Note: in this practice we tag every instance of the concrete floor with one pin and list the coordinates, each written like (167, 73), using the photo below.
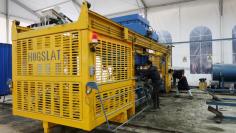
(188, 116)
(176, 114)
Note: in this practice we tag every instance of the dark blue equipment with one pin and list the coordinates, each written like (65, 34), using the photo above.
(223, 73)
(226, 72)
(141, 59)
(5, 68)
(138, 24)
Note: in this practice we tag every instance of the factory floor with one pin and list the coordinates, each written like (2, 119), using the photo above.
(184, 115)
(179, 115)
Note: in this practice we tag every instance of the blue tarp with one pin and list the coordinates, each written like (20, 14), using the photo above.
(5, 68)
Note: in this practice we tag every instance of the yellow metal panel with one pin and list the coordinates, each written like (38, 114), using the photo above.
(113, 64)
(114, 100)
(47, 74)
(43, 90)
(85, 76)
(48, 31)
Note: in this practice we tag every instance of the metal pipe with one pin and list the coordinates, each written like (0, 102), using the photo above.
(115, 130)
(126, 105)
(106, 115)
(103, 109)
(213, 40)
(104, 99)
(111, 82)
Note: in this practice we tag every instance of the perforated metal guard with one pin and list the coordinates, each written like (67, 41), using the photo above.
(49, 56)
(114, 100)
(49, 98)
(113, 64)
(52, 55)
(113, 61)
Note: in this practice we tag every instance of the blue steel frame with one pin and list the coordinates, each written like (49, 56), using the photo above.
(224, 102)
(222, 90)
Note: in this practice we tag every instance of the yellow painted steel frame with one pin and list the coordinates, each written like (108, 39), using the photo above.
(51, 67)
(117, 31)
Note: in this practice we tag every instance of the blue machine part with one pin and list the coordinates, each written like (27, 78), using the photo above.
(136, 23)
(227, 72)
(5, 68)
(132, 17)
(141, 59)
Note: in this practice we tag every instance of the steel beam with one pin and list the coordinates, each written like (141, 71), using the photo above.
(26, 8)
(221, 103)
(144, 4)
(145, 8)
(221, 7)
(7, 21)
(77, 4)
(57, 4)
(14, 16)
(213, 40)
(172, 3)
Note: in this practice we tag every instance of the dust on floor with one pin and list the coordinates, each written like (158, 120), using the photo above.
(186, 115)
(176, 114)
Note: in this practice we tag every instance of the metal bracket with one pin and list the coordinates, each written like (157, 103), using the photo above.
(223, 102)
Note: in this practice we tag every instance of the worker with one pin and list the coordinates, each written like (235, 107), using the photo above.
(183, 85)
(154, 75)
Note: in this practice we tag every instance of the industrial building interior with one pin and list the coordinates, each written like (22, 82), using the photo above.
(125, 66)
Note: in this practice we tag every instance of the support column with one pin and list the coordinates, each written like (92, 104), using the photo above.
(47, 126)
(145, 8)
(221, 30)
(7, 21)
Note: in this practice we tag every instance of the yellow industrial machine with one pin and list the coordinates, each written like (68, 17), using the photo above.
(52, 67)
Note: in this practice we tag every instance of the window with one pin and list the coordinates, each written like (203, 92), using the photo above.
(165, 37)
(234, 44)
(200, 51)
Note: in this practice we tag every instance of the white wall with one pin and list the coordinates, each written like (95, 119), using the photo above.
(3, 38)
(25, 18)
(2, 21)
(181, 19)
(229, 21)
(3, 28)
